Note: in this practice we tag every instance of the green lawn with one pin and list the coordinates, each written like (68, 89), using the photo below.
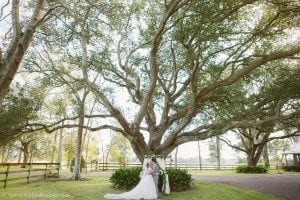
(96, 187)
(233, 173)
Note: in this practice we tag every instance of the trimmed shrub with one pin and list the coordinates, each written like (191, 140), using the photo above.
(180, 180)
(82, 164)
(251, 169)
(291, 168)
(128, 178)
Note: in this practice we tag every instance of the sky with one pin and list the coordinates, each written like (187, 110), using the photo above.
(190, 150)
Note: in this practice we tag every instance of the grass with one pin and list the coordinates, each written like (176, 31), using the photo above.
(96, 187)
(233, 173)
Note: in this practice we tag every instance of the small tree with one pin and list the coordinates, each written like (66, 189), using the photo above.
(277, 148)
(215, 151)
(120, 149)
(69, 150)
(19, 108)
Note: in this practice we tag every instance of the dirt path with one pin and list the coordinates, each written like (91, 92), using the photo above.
(282, 185)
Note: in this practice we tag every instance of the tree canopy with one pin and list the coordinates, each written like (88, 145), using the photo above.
(173, 71)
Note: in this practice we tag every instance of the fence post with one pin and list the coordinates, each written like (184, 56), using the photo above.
(29, 171)
(45, 176)
(6, 175)
(58, 168)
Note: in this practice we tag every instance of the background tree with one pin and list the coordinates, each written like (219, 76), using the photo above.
(215, 151)
(277, 148)
(105, 150)
(252, 143)
(20, 31)
(119, 151)
(20, 107)
(69, 150)
(265, 154)
(8, 152)
(277, 95)
(27, 143)
(199, 155)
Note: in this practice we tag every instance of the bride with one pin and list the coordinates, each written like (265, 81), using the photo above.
(145, 189)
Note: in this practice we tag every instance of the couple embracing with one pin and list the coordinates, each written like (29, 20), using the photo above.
(147, 188)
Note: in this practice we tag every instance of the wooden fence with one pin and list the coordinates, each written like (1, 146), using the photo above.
(25, 170)
(99, 166)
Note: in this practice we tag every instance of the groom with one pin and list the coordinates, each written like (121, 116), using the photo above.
(155, 173)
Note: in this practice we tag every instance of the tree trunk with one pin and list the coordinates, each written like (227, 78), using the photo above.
(218, 153)
(20, 155)
(266, 155)
(176, 161)
(103, 152)
(59, 150)
(199, 154)
(30, 157)
(3, 150)
(25, 149)
(250, 159)
(106, 161)
(25, 153)
(254, 154)
(87, 146)
(53, 148)
(76, 167)
(296, 159)
(20, 42)
(81, 111)
(140, 147)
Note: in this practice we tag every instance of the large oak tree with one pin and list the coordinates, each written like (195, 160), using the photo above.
(171, 62)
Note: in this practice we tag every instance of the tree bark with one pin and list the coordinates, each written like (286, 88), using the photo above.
(59, 150)
(25, 149)
(296, 159)
(20, 155)
(81, 111)
(254, 154)
(76, 167)
(199, 154)
(218, 153)
(87, 146)
(53, 148)
(176, 154)
(30, 157)
(19, 44)
(266, 155)
(3, 150)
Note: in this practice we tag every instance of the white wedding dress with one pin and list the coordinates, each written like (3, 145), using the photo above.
(145, 189)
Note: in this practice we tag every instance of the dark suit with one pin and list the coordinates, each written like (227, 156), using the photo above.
(154, 172)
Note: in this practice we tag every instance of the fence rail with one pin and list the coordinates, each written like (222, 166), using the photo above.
(24, 171)
(100, 166)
